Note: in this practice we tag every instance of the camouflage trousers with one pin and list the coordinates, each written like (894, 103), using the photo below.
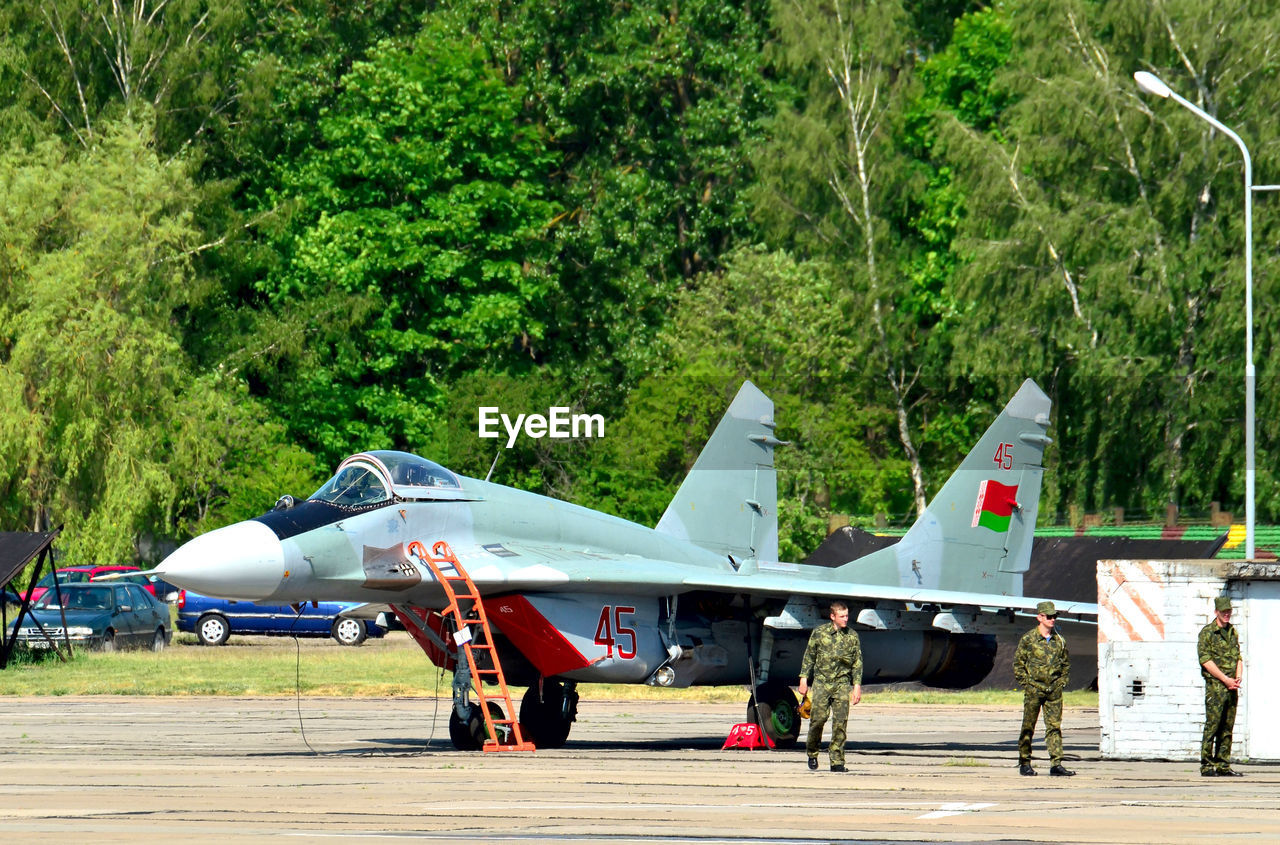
(1219, 721)
(1032, 702)
(829, 701)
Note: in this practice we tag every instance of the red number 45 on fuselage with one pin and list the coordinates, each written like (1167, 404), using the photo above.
(610, 631)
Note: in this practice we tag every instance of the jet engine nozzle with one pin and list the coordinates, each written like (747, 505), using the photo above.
(240, 561)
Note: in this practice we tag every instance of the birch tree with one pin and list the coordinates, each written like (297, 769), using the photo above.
(79, 61)
(828, 175)
(1102, 240)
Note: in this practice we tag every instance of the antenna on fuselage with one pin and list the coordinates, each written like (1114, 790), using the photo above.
(492, 465)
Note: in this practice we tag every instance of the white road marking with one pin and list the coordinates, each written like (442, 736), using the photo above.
(955, 808)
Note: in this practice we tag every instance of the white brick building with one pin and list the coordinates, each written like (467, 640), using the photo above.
(1150, 693)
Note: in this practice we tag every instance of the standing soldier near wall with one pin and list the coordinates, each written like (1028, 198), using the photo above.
(1041, 666)
(1218, 651)
(833, 659)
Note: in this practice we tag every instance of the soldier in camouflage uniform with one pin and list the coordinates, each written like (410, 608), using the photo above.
(1218, 650)
(1041, 666)
(833, 659)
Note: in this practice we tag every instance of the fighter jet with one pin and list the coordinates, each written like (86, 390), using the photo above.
(577, 596)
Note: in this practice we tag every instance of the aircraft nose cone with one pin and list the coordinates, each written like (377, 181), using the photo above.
(241, 561)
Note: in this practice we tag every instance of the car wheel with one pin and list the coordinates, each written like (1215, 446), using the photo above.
(213, 629)
(348, 631)
(108, 641)
(157, 642)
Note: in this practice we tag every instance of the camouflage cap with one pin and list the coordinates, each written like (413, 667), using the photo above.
(1047, 608)
(1222, 603)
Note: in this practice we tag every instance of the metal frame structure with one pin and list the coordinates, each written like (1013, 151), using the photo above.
(17, 548)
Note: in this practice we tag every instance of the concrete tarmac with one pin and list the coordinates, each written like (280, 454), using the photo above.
(123, 769)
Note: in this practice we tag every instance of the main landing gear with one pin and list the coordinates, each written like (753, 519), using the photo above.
(774, 708)
(548, 711)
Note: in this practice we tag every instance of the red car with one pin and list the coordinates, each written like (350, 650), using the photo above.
(84, 574)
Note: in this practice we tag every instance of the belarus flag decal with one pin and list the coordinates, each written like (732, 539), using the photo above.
(995, 505)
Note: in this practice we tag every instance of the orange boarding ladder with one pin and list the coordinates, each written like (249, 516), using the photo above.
(459, 587)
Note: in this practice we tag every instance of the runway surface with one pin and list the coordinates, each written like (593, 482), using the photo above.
(102, 769)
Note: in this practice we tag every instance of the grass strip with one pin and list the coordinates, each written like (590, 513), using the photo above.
(388, 668)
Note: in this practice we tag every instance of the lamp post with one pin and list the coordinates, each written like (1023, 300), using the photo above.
(1152, 84)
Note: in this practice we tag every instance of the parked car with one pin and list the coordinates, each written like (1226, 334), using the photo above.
(85, 574)
(213, 621)
(104, 616)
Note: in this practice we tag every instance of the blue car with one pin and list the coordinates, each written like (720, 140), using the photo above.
(213, 621)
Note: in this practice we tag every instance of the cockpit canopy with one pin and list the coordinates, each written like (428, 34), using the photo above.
(370, 478)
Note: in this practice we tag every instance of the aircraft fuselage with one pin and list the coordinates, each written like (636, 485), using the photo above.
(587, 596)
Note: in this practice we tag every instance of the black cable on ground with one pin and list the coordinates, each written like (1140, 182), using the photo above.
(297, 699)
(297, 679)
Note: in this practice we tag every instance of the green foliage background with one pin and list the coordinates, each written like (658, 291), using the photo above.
(241, 240)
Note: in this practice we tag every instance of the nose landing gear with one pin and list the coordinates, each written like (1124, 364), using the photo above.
(470, 734)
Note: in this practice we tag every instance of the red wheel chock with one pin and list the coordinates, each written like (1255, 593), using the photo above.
(747, 735)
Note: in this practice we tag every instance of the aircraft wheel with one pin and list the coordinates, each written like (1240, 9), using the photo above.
(213, 629)
(779, 714)
(546, 720)
(348, 631)
(471, 735)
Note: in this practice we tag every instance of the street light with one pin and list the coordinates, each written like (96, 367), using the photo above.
(1152, 84)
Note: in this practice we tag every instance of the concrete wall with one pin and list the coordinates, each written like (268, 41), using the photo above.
(1150, 692)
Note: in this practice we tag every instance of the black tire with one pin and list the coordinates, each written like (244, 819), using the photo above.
(157, 641)
(779, 713)
(546, 720)
(108, 641)
(348, 631)
(471, 736)
(213, 629)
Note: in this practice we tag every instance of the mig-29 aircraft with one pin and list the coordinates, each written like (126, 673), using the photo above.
(579, 596)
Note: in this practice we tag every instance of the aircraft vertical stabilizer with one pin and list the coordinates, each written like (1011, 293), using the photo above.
(729, 501)
(976, 533)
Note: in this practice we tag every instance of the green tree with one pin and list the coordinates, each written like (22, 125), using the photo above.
(420, 219)
(1101, 241)
(102, 428)
(832, 184)
(786, 326)
(956, 84)
(288, 69)
(651, 106)
(70, 64)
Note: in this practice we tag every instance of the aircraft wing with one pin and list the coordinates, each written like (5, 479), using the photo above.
(541, 568)
(784, 586)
